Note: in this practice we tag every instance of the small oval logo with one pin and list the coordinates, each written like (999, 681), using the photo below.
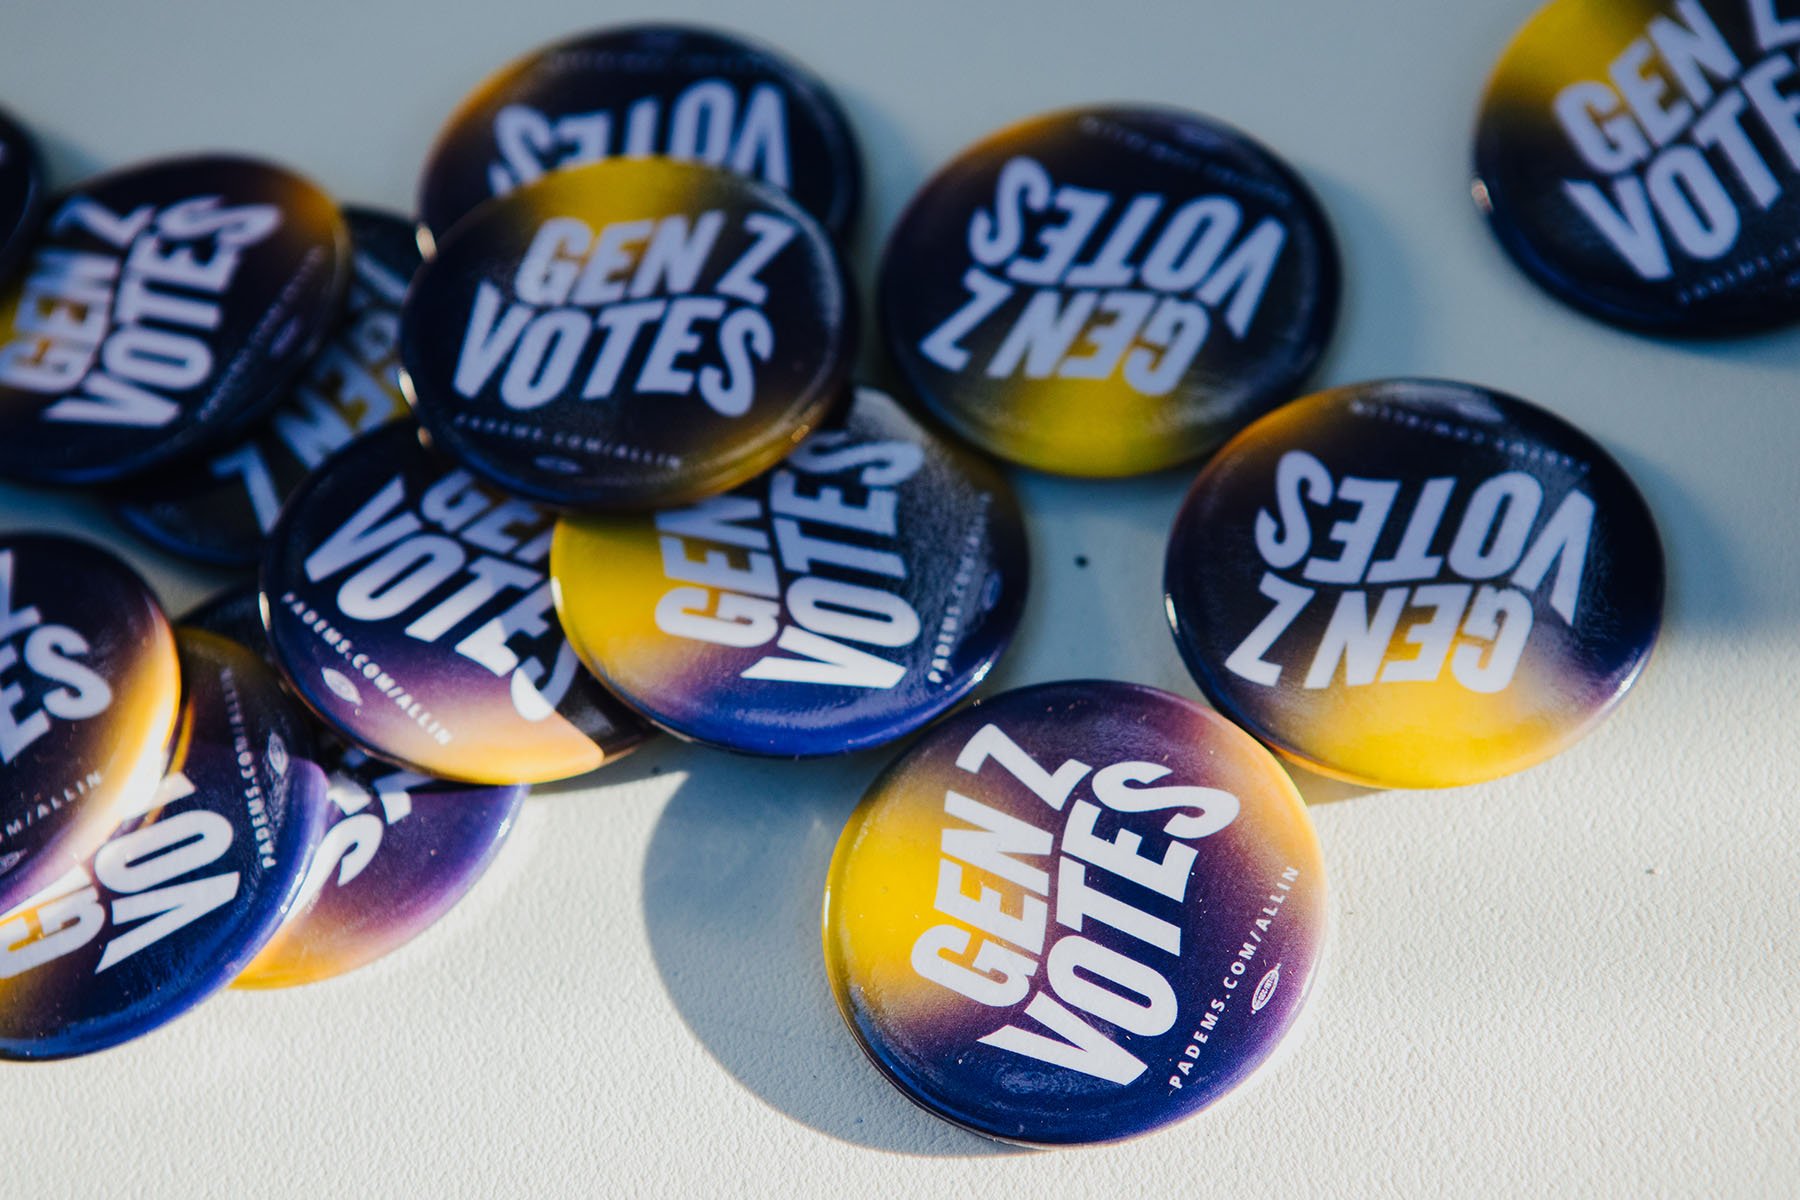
(277, 756)
(340, 684)
(1265, 991)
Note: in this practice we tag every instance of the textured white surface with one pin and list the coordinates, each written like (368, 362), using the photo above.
(1583, 980)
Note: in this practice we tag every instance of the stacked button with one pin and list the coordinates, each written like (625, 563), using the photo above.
(161, 311)
(1075, 913)
(410, 608)
(689, 94)
(89, 690)
(1414, 584)
(401, 850)
(191, 886)
(848, 597)
(1108, 291)
(628, 335)
(221, 512)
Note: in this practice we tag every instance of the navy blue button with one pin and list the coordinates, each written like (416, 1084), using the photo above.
(411, 609)
(21, 191)
(673, 90)
(1414, 583)
(848, 597)
(89, 690)
(628, 335)
(1075, 913)
(219, 512)
(1108, 291)
(160, 312)
(1640, 161)
(190, 887)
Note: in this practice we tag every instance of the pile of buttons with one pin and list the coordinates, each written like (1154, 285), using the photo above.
(578, 456)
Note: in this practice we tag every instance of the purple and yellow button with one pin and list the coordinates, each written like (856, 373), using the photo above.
(1075, 913)
(220, 512)
(21, 191)
(410, 608)
(162, 311)
(90, 686)
(672, 90)
(1414, 583)
(1640, 160)
(402, 850)
(628, 335)
(188, 889)
(1109, 291)
(850, 596)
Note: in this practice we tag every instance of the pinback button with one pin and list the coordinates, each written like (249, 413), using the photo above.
(186, 892)
(668, 90)
(221, 512)
(160, 311)
(89, 690)
(21, 191)
(1640, 161)
(1108, 291)
(1414, 584)
(411, 610)
(847, 598)
(402, 851)
(628, 335)
(1075, 913)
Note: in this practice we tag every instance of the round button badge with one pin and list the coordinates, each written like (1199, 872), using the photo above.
(1075, 913)
(221, 512)
(628, 335)
(1109, 291)
(1414, 584)
(162, 310)
(410, 608)
(670, 90)
(402, 850)
(89, 690)
(21, 191)
(1640, 161)
(852, 595)
(194, 883)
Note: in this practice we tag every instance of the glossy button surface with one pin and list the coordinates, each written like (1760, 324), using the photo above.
(1414, 583)
(197, 879)
(1108, 291)
(411, 609)
(673, 90)
(1640, 160)
(627, 335)
(89, 690)
(1075, 913)
(846, 598)
(160, 311)
(221, 511)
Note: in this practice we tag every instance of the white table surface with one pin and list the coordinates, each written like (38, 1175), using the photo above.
(1584, 979)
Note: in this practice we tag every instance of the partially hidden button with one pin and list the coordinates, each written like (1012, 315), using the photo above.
(411, 609)
(92, 686)
(852, 595)
(190, 886)
(160, 311)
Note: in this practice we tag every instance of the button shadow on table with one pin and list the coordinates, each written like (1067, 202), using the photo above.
(733, 884)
